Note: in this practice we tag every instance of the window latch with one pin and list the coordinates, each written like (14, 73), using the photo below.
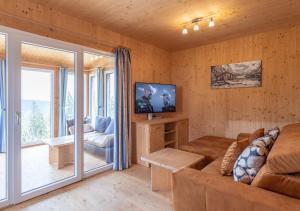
(18, 117)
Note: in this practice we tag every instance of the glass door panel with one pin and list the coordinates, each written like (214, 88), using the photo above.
(98, 104)
(47, 116)
(3, 119)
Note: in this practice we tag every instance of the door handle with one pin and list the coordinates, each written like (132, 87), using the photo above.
(18, 117)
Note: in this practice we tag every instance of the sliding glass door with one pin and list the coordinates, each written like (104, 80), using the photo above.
(99, 103)
(52, 95)
(47, 116)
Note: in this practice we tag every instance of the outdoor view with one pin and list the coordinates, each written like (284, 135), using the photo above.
(36, 106)
(70, 97)
(110, 94)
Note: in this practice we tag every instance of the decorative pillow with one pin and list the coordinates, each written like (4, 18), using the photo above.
(256, 134)
(111, 127)
(102, 123)
(87, 120)
(251, 160)
(274, 133)
(86, 128)
(231, 155)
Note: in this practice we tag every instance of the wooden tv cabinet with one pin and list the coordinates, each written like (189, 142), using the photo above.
(156, 134)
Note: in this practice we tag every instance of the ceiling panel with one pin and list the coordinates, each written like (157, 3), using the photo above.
(160, 21)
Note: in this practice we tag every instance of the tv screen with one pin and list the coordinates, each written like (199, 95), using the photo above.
(155, 98)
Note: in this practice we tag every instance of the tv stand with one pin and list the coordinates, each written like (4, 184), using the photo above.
(156, 134)
(150, 116)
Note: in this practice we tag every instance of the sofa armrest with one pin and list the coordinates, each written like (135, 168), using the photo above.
(196, 190)
(243, 136)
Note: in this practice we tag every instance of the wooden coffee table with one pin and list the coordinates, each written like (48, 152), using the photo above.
(61, 151)
(167, 161)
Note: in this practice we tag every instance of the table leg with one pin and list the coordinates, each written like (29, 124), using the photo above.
(60, 156)
(161, 178)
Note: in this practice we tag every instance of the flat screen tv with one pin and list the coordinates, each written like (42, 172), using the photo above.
(155, 98)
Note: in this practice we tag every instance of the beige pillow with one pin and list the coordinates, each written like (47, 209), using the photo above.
(280, 183)
(231, 155)
(256, 134)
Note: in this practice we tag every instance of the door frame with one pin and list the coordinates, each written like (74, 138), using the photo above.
(14, 40)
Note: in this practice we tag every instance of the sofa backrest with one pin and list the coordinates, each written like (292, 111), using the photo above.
(284, 158)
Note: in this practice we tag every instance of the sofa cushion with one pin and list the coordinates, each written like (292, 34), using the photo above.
(256, 134)
(284, 184)
(102, 123)
(201, 191)
(111, 127)
(211, 147)
(251, 160)
(214, 169)
(86, 129)
(284, 157)
(231, 155)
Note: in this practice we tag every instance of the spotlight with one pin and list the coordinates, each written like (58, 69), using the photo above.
(184, 30)
(211, 23)
(196, 27)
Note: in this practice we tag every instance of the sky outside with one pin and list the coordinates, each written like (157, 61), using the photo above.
(36, 85)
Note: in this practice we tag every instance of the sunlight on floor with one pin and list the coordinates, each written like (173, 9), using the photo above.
(37, 172)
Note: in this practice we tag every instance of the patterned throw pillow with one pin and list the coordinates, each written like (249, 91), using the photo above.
(252, 159)
(256, 134)
(274, 133)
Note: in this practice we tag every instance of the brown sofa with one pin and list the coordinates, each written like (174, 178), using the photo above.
(208, 190)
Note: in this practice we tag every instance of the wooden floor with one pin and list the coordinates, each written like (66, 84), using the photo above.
(37, 172)
(126, 190)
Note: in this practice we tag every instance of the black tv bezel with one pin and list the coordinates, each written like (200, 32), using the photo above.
(158, 112)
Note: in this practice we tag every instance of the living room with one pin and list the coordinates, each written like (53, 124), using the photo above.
(188, 87)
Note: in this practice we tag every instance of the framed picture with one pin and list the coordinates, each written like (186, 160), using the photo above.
(238, 75)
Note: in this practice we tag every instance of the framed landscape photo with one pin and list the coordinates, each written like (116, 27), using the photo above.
(237, 75)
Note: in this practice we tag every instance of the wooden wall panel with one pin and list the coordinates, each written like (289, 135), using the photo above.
(226, 112)
(149, 63)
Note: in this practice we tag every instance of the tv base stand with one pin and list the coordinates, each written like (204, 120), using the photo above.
(149, 116)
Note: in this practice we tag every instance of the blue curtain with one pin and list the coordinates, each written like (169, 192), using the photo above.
(100, 91)
(122, 141)
(2, 106)
(63, 82)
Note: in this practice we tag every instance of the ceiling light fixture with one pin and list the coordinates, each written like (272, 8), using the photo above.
(195, 24)
(211, 23)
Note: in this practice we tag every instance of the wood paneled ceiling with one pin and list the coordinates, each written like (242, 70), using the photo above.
(159, 21)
